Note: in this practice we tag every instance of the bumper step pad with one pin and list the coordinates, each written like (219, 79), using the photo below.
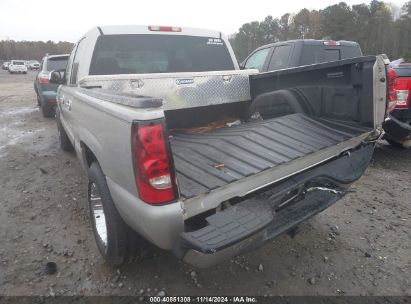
(234, 223)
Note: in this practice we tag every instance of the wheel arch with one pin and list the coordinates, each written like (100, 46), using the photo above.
(88, 156)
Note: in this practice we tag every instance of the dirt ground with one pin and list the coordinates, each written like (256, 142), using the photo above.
(359, 246)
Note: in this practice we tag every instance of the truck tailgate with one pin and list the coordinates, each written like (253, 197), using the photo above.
(211, 160)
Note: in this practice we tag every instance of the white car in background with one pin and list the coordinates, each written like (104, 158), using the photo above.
(33, 65)
(17, 66)
(5, 65)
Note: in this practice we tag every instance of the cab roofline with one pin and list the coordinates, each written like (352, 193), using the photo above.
(309, 42)
(144, 29)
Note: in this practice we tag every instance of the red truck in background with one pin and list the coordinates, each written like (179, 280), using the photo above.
(397, 125)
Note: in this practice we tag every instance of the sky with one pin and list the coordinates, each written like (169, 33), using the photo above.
(69, 20)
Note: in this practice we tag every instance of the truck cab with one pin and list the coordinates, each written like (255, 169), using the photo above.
(293, 53)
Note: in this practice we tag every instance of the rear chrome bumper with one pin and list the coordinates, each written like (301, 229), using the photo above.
(273, 211)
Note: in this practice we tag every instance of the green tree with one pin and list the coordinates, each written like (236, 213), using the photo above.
(254, 34)
(284, 24)
(306, 25)
(337, 22)
(10, 49)
(381, 23)
(361, 19)
(404, 32)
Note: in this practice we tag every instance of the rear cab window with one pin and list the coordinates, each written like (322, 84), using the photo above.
(331, 55)
(350, 51)
(143, 54)
(56, 63)
(317, 53)
(17, 63)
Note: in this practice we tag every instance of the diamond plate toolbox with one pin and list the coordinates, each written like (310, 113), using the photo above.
(180, 90)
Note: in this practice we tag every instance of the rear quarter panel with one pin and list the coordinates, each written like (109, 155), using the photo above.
(105, 128)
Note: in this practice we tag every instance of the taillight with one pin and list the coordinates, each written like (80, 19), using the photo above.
(392, 93)
(154, 177)
(161, 28)
(42, 78)
(403, 89)
(332, 43)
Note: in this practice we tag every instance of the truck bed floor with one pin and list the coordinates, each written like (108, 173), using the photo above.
(210, 160)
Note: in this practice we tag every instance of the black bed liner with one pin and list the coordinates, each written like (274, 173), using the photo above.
(210, 160)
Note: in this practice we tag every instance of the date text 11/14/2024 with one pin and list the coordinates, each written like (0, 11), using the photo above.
(203, 299)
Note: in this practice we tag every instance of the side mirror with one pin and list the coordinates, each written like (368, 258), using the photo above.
(56, 77)
(242, 65)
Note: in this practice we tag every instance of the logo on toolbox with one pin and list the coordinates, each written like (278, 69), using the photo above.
(184, 81)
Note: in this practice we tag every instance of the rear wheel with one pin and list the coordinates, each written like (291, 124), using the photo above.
(65, 143)
(47, 110)
(115, 240)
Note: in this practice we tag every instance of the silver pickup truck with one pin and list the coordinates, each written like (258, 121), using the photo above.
(185, 150)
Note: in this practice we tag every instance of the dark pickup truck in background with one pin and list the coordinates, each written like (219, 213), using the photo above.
(294, 53)
(397, 125)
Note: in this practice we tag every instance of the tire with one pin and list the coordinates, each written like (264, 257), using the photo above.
(38, 100)
(394, 143)
(48, 111)
(115, 240)
(65, 143)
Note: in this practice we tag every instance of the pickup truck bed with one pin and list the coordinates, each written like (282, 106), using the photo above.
(207, 161)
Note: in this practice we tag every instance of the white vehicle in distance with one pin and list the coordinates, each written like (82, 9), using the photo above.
(5, 65)
(17, 66)
(33, 65)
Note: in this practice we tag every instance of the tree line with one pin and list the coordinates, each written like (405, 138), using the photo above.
(378, 27)
(27, 50)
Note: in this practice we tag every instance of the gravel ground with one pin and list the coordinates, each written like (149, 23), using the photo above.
(359, 246)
